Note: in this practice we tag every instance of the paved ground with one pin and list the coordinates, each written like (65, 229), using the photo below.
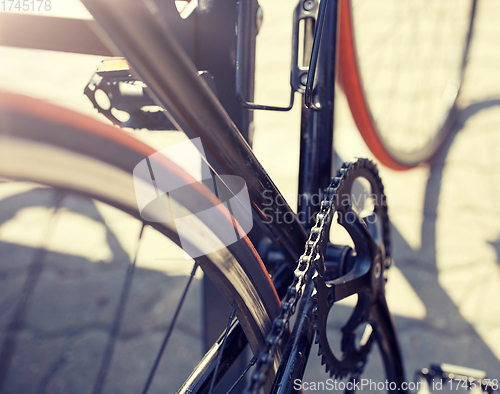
(444, 290)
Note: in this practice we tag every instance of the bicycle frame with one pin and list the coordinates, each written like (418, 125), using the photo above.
(173, 79)
(161, 62)
(168, 70)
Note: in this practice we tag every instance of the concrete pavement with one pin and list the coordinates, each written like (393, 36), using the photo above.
(444, 290)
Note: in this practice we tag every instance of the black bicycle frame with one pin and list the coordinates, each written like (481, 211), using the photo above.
(150, 47)
(141, 33)
(165, 63)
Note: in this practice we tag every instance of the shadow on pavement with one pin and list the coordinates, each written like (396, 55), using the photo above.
(444, 335)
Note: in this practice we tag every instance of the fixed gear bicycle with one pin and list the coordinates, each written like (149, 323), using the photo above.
(89, 164)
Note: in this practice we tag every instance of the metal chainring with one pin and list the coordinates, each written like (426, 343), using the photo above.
(313, 257)
(366, 275)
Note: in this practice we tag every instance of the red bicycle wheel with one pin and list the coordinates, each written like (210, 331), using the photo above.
(401, 65)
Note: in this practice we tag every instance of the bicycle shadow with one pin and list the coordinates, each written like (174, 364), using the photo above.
(444, 335)
(59, 310)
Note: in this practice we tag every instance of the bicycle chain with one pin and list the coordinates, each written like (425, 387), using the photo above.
(305, 266)
(354, 357)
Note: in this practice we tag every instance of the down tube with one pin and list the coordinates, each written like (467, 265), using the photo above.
(139, 33)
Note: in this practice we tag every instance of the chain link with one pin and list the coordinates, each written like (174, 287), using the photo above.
(302, 273)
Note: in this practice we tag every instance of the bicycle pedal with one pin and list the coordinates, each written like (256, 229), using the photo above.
(454, 378)
(124, 100)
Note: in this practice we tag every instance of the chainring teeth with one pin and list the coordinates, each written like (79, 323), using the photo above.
(353, 359)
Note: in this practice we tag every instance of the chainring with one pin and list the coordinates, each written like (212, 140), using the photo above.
(372, 243)
(366, 275)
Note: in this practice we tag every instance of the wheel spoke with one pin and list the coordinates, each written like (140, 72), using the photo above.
(170, 330)
(200, 379)
(411, 58)
(230, 320)
(247, 368)
(115, 328)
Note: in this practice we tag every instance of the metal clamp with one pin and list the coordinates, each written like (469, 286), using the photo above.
(308, 99)
(298, 73)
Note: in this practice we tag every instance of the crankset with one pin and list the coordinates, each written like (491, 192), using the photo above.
(364, 216)
(361, 270)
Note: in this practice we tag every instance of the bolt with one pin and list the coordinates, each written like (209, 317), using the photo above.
(378, 270)
(303, 79)
(309, 5)
(260, 18)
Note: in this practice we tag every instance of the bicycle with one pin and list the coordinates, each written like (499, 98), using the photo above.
(200, 112)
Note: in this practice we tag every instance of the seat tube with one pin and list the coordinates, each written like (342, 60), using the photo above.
(316, 136)
(215, 48)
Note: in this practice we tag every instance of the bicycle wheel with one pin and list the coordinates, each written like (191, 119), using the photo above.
(89, 321)
(401, 65)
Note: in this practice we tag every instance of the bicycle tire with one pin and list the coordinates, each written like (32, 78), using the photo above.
(49, 145)
(401, 126)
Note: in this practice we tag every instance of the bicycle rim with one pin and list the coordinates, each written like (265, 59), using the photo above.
(80, 158)
(401, 65)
